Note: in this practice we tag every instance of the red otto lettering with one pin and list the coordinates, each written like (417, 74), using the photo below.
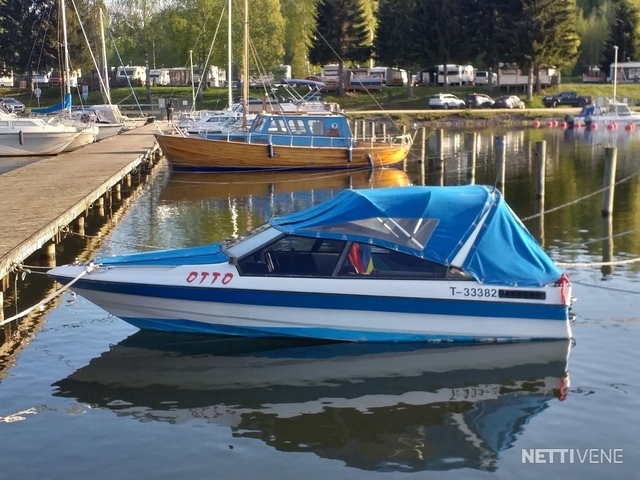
(193, 276)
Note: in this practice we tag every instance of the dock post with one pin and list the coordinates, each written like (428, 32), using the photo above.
(607, 245)
(440, 160)
(373, 131)
(384, 132)
(541, 167)
(80, 224)
(610, 160)
(471, 146)
(118, 188)
(423, 138)
(501, 154)
(48, 254)
(101, 206)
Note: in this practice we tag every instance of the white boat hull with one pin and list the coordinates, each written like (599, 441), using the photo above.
(23, 142)
(359, 309)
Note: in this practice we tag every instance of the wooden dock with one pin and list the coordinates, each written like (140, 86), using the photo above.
(40, 199)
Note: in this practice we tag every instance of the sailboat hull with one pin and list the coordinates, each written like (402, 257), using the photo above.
(190, 153)
(16, 142)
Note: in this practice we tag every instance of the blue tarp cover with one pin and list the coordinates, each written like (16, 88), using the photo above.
(433, 223)
(63, 105)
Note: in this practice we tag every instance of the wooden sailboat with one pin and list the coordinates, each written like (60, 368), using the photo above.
(292, 140)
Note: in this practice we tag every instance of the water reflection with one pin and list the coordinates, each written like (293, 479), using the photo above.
(393, 407)
(192, 186)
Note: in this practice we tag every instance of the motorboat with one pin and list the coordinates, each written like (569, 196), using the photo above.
(396, 402)
(285, 141)
(369, 265)
(20, 136)
(612, 116)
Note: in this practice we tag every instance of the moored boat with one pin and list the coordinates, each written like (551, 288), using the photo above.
(396, 264)
(21, 136)
(285, 141)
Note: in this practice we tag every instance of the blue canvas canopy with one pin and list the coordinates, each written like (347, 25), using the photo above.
(470, 227)
(65, 104)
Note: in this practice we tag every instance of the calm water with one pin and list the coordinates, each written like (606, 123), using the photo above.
(87, 396)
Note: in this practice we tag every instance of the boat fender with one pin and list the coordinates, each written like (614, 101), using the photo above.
(21, 137)
(85, 118)
(349, 154)
(270, 150)
(370, 160)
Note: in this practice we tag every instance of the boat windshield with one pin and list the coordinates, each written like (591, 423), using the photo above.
(230, 242)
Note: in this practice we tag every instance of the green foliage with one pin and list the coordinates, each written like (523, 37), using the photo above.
(299, 23)
(394, 42)
(27, 42)
(341, 33)
(594, 34)
(623, 34)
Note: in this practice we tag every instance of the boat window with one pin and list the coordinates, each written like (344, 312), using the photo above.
(409, 232)
(278, 125)
(364, 259)
(294, 255)
(317, 127)
(297, 127)
(257, 124)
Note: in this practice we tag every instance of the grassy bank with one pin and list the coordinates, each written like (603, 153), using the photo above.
(390, 98)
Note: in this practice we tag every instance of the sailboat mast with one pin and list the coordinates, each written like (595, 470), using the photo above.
(245, 65)
(615, 71)
(107, 92)
(193, 87)
(229, 84)
(67, 70)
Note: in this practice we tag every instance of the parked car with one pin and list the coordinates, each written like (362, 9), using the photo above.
(508, 101)
(13, 105)
(567, 99)
(446, 101)
(478, 100)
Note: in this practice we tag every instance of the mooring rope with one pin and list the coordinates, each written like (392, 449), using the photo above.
(87, 269)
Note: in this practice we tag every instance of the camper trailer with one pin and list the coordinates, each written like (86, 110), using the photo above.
(6, 78)
(457, 74)
(390, 76)
(131, 74)
(159, 76)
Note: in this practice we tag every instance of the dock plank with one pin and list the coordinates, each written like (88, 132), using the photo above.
(39, 199)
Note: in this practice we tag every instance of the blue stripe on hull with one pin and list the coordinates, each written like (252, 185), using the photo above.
(430, 306)
(186, 326)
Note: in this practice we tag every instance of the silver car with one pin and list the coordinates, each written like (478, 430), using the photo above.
(13, 105)
(446, 101)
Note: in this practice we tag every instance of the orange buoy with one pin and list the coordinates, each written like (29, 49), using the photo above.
(593, 126)
(555, 123)
(536, 123)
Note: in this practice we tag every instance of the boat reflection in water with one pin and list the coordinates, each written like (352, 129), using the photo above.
(222, 185)
(379, 407)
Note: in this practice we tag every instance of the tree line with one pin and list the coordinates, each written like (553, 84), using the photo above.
(409, 34)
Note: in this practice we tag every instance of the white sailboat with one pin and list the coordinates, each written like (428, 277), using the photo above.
(87, 131)
(23, 136)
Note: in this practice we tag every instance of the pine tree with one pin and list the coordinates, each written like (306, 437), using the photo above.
(341, 35)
